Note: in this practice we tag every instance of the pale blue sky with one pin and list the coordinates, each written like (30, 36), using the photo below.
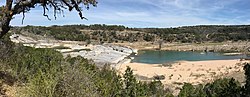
(150, 13)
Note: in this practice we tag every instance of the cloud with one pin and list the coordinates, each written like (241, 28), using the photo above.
(132, 14)
(152, 13)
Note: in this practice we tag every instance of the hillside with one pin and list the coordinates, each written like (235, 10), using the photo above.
(116, 34)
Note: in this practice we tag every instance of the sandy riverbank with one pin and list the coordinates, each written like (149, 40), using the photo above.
(194, 72)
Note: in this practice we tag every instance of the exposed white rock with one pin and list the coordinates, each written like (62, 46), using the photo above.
(105, 54)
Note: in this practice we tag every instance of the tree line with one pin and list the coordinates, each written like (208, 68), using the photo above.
(118, 33)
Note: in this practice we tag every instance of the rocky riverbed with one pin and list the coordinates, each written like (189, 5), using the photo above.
(100, 54)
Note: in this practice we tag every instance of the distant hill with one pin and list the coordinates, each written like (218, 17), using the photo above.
(116, 33)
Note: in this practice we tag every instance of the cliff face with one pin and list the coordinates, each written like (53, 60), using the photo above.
(225, 47)
(213, 47)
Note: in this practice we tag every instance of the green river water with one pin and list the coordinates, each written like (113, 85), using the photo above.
(159, 57)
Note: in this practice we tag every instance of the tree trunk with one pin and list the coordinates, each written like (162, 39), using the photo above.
(6, 18)
(4, 25)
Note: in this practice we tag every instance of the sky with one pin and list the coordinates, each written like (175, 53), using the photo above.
(148, 13)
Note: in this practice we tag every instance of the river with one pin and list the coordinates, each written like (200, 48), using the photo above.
(159, 57)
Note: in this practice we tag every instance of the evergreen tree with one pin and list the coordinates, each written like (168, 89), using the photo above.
(186, 90)
(156, 88)
(130, 83)
(223, 88)
(246, 89)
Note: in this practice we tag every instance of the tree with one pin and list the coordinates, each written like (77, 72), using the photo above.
(187, 90)
(219, 88)
(223, 88)
(156, 88)
(246, 91)
(130, 83)
(14, 7)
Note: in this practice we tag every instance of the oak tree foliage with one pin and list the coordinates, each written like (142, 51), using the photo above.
(14, 7)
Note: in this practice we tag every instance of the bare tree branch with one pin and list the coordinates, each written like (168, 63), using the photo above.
(23, 16)
(44, 12)
(23, 6)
